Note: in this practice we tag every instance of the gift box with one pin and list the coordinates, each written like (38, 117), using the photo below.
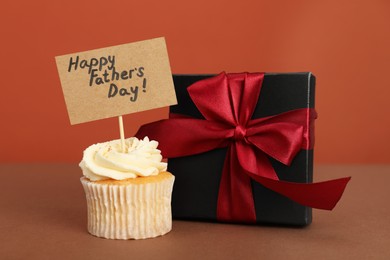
(197, 177)
(241, 149)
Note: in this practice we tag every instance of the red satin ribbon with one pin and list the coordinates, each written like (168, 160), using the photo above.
(227, 102)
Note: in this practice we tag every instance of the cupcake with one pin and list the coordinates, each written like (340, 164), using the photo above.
(128, 191)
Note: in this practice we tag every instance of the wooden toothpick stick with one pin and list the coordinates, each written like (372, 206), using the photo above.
(122, 133)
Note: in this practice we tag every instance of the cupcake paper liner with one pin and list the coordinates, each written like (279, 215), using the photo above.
(129, 211)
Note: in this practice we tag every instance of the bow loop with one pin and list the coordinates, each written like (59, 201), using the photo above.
(244, 91)
(227, 98)
(281, 140)
(212, 98)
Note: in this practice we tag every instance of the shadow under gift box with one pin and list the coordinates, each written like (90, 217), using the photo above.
(198, 176)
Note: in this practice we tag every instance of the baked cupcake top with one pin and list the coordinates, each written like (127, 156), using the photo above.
(107, 161)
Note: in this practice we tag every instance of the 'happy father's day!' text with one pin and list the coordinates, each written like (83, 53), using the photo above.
(102, 71)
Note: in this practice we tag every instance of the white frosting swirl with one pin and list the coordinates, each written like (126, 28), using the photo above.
(107, 161)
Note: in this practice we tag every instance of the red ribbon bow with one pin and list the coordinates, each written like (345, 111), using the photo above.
(227, 102)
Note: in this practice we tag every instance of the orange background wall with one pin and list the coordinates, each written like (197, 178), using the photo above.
(346, 44)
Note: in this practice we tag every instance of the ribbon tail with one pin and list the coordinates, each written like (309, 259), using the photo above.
(235, 199)
(320, 195)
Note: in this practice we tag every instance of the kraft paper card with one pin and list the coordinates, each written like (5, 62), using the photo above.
(117, 80)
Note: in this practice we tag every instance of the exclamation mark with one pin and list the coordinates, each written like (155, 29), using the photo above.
(144, 85)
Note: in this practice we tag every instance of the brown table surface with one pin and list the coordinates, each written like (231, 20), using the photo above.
(43, 216)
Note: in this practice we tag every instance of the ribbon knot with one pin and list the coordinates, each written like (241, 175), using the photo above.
(239, 133)
(229, 100)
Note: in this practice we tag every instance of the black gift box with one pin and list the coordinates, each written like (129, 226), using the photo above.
(197, 180)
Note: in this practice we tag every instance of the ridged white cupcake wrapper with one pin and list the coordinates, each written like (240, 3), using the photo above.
(132, 211)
